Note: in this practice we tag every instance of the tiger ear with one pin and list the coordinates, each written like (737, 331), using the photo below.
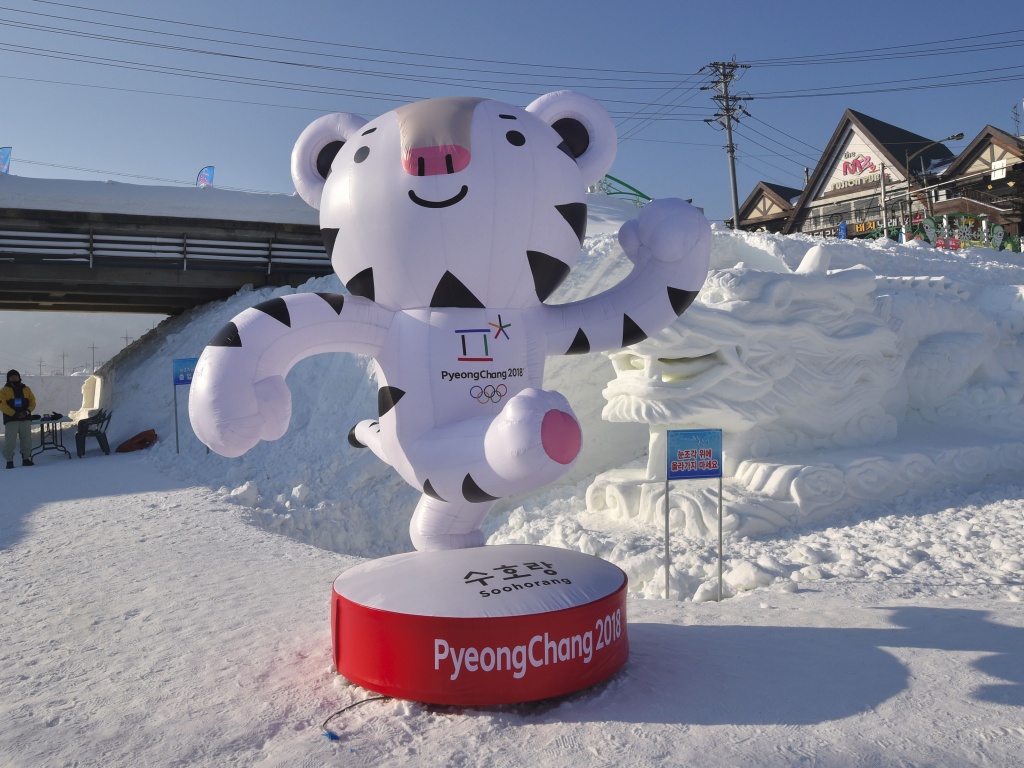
(588, 133)
(315, 151)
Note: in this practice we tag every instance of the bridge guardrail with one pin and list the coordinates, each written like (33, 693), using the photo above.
(153, 251)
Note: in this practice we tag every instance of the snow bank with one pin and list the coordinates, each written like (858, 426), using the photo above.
(872, 373)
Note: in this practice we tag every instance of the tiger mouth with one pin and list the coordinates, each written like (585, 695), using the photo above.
(439, 203)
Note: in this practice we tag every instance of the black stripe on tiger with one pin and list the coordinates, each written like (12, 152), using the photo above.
(548, 273)
(329, 236)
(631, 332)
(580, 345)
(680, 299)
(576, 216)
(472, 492)
(336, 300)
(277, 309)
(362, 284)
(387, 398)
(429, 490)
(227, 336)
(452, 292)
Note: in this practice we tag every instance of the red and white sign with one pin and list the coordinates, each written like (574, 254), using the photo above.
(481, 626)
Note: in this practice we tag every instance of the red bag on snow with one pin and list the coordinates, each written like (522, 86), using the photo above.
(141, 440)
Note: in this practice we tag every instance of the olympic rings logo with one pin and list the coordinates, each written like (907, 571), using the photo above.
(487, 394)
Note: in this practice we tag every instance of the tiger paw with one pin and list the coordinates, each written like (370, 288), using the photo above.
(533, 440)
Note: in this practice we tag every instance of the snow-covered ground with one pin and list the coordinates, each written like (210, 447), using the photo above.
(170, 607)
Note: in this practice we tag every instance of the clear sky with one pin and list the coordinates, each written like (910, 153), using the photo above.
(153, 92)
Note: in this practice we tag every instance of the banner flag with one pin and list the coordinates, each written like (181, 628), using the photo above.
(205, 177)
(5, 159)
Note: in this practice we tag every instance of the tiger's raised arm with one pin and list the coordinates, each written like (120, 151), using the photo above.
(669, 244)
(239, 396)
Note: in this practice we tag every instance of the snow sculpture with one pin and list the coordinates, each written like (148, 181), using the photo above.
(450, 221)
(801, 368)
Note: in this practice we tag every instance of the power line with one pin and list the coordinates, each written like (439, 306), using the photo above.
(799, 153)
(601, 80)
(692, 90)
(933, 48)
(742, 161)
(906, 81)
(788, 136)
(762, 161)
(546, 67)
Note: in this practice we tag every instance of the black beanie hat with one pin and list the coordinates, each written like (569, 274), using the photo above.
(12, 372)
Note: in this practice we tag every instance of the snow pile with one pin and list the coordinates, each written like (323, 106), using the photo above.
(21, 192)
(839, 393)
(150, 619)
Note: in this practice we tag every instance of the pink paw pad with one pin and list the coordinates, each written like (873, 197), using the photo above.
(561, 437)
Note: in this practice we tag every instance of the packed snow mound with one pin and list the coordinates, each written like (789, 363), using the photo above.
(870, 348)
(21, 192)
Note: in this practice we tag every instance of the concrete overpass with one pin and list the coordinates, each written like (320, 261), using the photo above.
(110, 247)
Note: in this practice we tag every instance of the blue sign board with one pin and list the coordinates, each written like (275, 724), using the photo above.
(183, 369)
(694, 454)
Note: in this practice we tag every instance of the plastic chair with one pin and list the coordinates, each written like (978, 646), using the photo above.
(94, 426)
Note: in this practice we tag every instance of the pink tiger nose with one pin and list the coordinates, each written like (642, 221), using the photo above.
(434, 161)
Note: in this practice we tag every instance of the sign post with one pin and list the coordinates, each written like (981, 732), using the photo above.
(183, 370)
(693, 454)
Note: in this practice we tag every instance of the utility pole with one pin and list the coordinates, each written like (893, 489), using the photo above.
(885, 215)
(93, 348)
(63, 357)
(725, 73)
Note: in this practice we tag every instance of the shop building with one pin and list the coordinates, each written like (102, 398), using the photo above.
(875, 179)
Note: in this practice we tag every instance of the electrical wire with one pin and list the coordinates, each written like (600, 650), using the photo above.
(601, 82)
(933, 48)
(744, 160)
(646, 121)
(799, 153)
(546, 67)
(331, 734)
(819, 150)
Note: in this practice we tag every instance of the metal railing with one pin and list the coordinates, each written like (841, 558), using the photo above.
(150, 251)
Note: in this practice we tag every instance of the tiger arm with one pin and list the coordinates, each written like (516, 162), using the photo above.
(670, 246)
(239, 396)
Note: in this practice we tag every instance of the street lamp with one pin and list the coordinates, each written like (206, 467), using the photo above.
(909, 157)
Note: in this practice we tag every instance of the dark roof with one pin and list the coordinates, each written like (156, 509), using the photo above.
(789, 194)
(899, 142)
(784, 196)
(989, 135)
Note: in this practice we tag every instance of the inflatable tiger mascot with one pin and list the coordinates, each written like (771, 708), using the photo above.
(450, 221)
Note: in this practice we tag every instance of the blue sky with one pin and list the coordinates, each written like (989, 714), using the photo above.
(80, 97)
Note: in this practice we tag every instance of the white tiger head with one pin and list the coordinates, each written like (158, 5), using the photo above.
(456, 201)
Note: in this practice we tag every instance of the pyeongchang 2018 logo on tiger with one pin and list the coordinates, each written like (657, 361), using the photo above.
(477, 344)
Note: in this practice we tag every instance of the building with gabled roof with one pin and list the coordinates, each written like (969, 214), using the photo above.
(879, 178)
(769, 206)
(986, 179)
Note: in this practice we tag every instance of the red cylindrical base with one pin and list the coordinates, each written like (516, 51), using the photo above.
(547, 622)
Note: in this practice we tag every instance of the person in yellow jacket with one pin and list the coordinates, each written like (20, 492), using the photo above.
(17, 403)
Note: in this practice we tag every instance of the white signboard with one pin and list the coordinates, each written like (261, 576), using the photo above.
(857, 166)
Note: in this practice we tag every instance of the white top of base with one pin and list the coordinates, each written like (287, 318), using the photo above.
(482, 582)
